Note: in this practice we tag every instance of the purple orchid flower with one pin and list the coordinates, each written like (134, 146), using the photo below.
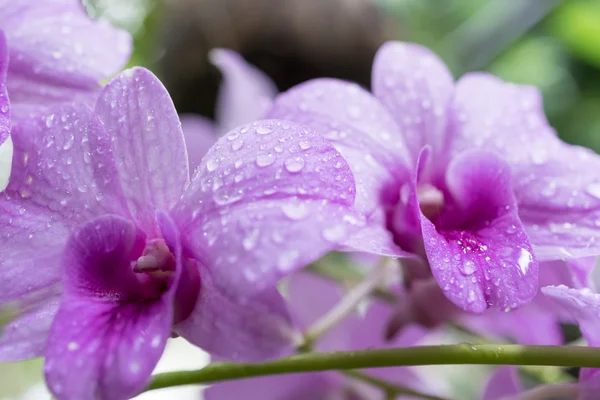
(468, 176)
(58, 53)
(108, 246)
(584, 306)
(355, 332)
(244, 96)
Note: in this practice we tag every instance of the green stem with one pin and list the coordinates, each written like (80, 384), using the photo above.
(480, 354)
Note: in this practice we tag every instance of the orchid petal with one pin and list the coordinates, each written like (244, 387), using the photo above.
(584, 306)
(147, 143)
(245, 92)
(485, 259)
(357, 125)
(61, 176)
(252, 330)
(110, 326)
(200, 134)
(4, 104)
(415, 86)
(55, 49)
(503, 383)
(268, 198)
(314, 386)
(555, 183)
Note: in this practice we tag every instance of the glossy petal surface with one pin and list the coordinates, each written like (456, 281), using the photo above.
(268, 198)
(147, 143)
(482, 257)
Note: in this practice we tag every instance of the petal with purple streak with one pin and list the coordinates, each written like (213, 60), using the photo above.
(147, 143)
(245, 92)
(415, 86)
(556, 186)
(57, 51)
(268, 198)
(111, 326)
(478, 250)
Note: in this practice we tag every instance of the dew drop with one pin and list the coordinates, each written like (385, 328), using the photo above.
(593, 189)
(264, 160)
(238, 144)
(295, 211)
(212, 164)
(294, 164)
(304, 145)
(467, 268)
(263, 130)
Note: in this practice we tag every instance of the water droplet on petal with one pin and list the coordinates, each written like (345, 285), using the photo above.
(304, 145)
(263, 130)
(264, 160)
(294, 164)
(212, 164)
(251, 239)
(295, 211)
(467, 268)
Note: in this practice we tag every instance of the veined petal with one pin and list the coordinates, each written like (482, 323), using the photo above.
(200, 134)
(111, 327)
(245, 92)
(4, 104)
(415, 85)
(255, 329)
(359, 128)
(268, 198)
(58, 46)
(482, 258)
(147, 143)
(555, 184)
(503, 383)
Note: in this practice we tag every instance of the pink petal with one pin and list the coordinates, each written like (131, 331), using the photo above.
(59, 49)
(147, 143)
(584, 306)
(4, 104)
(61, 177)
(108, 327)
(415, 86)
(483, 257)
(255, 329)
(503, 383)
(555, 183)
(245, 92)
(268, 198)
(357, 125)
(589, 384)
(200, 135)
(314, 386)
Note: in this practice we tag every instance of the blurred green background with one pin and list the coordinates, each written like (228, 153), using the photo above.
(552, 44)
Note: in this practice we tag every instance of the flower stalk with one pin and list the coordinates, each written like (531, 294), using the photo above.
(476, 354)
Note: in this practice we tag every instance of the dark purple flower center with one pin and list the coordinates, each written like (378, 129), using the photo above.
(156, 268)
